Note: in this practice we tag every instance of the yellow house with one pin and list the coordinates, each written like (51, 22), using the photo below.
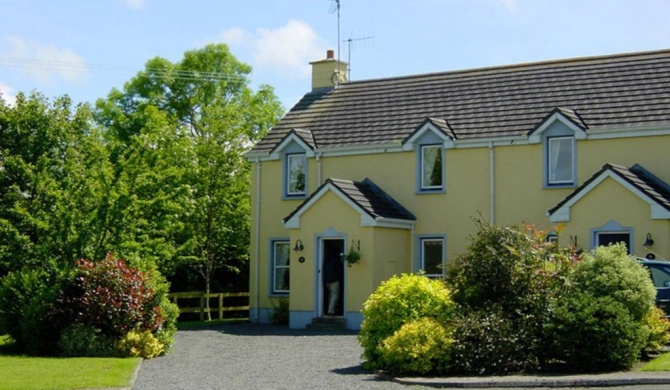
(389, 172)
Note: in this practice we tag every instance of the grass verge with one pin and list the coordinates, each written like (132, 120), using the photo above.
(661, 363)
(54, 373)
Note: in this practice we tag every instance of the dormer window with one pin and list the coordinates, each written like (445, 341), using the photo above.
(295, 175)
(431, 168)
(560, 161)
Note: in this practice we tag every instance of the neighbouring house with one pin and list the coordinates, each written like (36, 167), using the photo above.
(394, 170)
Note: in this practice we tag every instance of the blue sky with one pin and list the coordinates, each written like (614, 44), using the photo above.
(84, 48)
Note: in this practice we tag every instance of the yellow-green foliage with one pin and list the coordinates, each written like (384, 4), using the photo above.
(418, 347)
(658, 326)
(139, 344)
(397, 301)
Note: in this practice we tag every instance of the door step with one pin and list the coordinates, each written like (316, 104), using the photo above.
(328, 324)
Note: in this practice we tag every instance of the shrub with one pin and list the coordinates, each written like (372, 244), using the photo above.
(513, 275)
(596, 333)
(418, 347)
(485, 343)
(611, 272)
(657, 326)
(82, 340)
(280, 313)
(139, 344)
(397, 301)
(26, 298)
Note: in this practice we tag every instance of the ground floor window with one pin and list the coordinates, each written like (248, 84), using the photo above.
(610, 238)
(431, 259)
(281, 250)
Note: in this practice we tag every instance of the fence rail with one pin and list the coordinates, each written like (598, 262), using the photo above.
(202, 308)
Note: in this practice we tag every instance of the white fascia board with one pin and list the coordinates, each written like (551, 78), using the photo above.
(276, 152)
(294, 221)
(629, 132)
(535, 138)
(409, 144)
(563, 213)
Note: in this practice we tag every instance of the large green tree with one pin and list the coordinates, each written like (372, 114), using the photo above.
(52, 168)
(177, 135)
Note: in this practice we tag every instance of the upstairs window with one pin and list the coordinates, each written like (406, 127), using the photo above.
(295, 175)
(431, 169)
(560, 161)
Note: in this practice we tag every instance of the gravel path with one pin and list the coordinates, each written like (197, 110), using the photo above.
(246, 356)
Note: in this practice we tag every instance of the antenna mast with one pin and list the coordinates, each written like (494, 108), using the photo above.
(336, 6)
(349, 41)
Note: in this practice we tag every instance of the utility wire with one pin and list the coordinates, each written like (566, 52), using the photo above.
(186, 75)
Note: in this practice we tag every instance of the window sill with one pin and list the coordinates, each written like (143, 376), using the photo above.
(278, 295)
(428, 192)
(559, 186)
(294, 197)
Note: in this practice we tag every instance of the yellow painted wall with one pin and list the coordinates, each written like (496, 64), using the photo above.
(611, 201)
(519, 197)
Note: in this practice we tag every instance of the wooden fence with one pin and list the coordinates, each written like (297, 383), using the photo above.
(202, 309)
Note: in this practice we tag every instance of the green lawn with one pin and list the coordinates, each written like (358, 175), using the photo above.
(661, 363)
(25, 372)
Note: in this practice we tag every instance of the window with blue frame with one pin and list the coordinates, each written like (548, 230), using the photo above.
(560, 161)
(295, 175)
(431, 258)
(431, 168)
(281, 262)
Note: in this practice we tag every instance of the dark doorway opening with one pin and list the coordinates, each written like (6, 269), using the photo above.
(333, 277)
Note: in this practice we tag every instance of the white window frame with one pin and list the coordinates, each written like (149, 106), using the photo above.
(288, 177)
(552, 162)
(422, 169)
(275, 250)
(422, 254)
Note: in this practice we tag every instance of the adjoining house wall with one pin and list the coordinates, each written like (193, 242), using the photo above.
(610, 203)
(520, 196)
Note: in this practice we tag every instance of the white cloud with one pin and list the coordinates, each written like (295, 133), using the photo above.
(7, 94)
(287, 49)
(511, 5)
(137, 4)
(47, 62)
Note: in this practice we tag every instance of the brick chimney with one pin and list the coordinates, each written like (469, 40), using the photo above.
(326, 73)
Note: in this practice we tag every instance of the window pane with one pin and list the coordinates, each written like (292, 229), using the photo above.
(296, 174)
(432, 256)
(607, 238)
(431, 170)
(281, 266)
(560, 160)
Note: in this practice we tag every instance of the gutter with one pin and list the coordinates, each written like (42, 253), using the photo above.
(492, 184)
(257, 245)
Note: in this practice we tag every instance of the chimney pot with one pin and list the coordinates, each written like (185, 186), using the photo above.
(330, 54)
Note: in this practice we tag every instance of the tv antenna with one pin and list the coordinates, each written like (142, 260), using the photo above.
(349, 42)
(335, 7)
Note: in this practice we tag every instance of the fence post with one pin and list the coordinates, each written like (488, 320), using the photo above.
(220, 306)
(202, 307)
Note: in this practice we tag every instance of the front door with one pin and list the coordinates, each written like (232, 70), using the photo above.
(331, 278)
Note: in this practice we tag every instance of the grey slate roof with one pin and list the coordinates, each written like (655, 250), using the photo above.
(372, 199)
(598, 93)
(637, 176)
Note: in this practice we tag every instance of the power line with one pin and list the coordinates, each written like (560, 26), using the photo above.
(177, 74)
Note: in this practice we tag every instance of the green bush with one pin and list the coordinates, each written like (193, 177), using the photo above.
(397, 301)
(26, 299)
(600, 322)
(513, 275)
(486, 343)
(418, 347)
(611, 272)
(596, 333)
(139, 344)
(82, 340)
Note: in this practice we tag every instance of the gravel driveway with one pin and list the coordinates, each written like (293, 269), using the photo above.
(249, 356)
